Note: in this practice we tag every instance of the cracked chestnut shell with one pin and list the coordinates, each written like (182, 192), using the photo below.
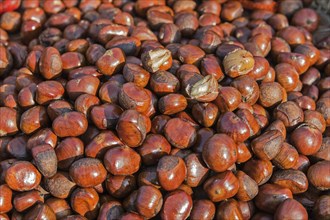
(238, 62)
(156, 59)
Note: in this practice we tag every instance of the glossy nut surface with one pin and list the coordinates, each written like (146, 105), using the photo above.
(33, 119)
(203, 209)
(171, 172)
(87, 172)
(148, 201)
(307, 139)
(259, 170)
(50, 64)
(134, 97)
(26, 200)
(180, 133)
(289, 113)
(291, 208)
(132, 127)
(196, 170)
(22, 176)
(172, 103)
(219, 152)
(8, 126)
(177, 205)
(229, 208)
(70, 124)
(120, 186)
(248, 188)
(287, 157)
(6, 198)
(270, 196)
(232, 125)
(318, 176)
(261, 144)
(221, 186)
(295, 180)
(122, 161)
(111, 61)
(90, 198)
(153, 148)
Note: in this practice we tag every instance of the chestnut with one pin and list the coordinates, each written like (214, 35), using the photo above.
(70, 124)
(228, 99)
(34, 119)
(190, 54)
(177, 205)
(122, 160)
(270, 196)
(163, 82)
(318, 175)
(50, 64)
(232, 125)
(111, 209)
(307, 139)
(287, 157)
(221, 186)
(112, 61)
(238, 62)
(153, 148)
(248, 188)
(205, 113)
(219, 152)
(259, 170)
(171, 172)
(156, 59)
(291, 209)
(47, 91)
(6, 198)
(149, 201)
(87, 172)
(132, 127)
(106, 116)
(267, 145)
(203, 209)
(289, 113)
(45, 159)
(60, 207)
(40, 211)
(180, 133)
(321, 208)
(22, 176)
(98, 145)
(60, 185)
(172, 103)
(196, 170)
(229, 209)
(26, 200)
(134, 97)
(68, 150)
(295, 180)
(120, 186)
(84, 200)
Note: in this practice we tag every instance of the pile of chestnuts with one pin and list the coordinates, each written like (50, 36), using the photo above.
(164, 109)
